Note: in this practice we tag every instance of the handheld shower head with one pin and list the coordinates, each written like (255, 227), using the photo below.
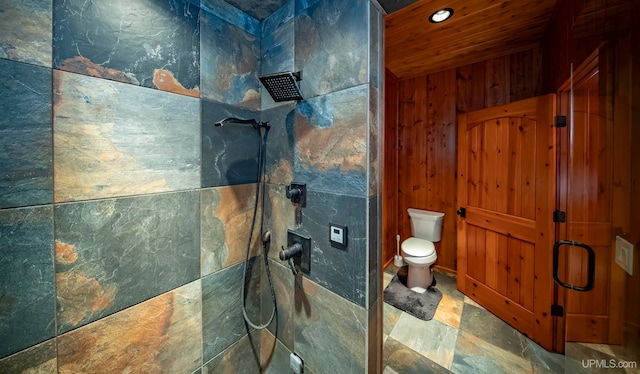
(283, 86)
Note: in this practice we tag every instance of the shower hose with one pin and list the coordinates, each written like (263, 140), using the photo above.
(265, 239)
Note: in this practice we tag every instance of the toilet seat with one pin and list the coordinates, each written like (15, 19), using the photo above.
(419, 251)
(417, 247)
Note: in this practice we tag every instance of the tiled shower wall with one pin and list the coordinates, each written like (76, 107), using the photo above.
(330, 142)
(124, 214)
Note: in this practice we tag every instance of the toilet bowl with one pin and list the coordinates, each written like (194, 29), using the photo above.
(418, 251)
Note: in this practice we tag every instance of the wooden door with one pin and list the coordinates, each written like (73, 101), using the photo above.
(506, 186)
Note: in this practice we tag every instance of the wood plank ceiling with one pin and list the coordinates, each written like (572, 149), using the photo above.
(479, 30)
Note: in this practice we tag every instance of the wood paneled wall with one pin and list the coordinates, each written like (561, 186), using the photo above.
(425, 127)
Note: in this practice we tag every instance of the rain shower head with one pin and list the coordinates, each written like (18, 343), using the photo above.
(283, 86)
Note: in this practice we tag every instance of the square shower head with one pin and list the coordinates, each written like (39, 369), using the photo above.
(283, 86)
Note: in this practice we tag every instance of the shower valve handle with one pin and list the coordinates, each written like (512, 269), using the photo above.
(293, 193)
(290, 252)
(297, 193)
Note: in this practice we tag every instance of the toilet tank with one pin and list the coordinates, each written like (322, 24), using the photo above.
(426, 224)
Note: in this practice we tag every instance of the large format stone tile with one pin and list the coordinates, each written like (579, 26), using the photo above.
(432, 339)
(578, 356)
(545, 361)
(227, 214)
(332, 46)
(259, 9)
(391, 317)
(283, 280)
(27, 304)
(148, 43)
(222, 320)
(387, 275)
(374, 253)
(374, 145)
(474, 355)
(341, 270)
(161, 335)
(376, 43)
(112, 254)
(330, 331)
(331, 142)
(449, 311)
(402, 359)
(277, 48)
(230, 63)
(231, 14)
(241, 357)
(447, 284)
(490, 328)
(258, 352)
(39, 359)
(113, 139)
(25, 31)
(279, 217)
(274, 356)
(283, 15)
(281, 143)
(25, 134)
(230, 152)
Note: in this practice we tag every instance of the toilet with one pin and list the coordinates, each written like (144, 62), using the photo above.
(418, 251)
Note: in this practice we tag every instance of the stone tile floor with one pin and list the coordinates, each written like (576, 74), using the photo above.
(463, 337)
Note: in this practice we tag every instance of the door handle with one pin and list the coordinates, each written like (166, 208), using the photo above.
(591, 265)
(462, 212)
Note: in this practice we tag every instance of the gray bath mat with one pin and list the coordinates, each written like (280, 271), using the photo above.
(419, 305)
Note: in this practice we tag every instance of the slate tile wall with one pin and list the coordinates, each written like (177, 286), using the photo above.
(227, 213)
(125, 213)
(229, 153)
(330, 141)
(25, 135)
(31, 42)
(27, 311)
(117, 250)
(149, 43)
(160, 335)
(331, 45)
(230, 59)
(114, 253)
(115, 139)
(222, 320)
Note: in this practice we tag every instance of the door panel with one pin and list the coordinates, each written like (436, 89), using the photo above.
(586, 194)
(506, 183)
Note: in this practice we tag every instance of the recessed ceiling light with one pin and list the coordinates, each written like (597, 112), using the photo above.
(441, 15)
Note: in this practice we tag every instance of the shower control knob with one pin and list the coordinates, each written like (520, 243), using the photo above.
(293, 193)
(290, 252)
(297, 193)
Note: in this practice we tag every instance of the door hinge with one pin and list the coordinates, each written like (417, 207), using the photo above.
(560, 121)
(557, 310)
(559, 216)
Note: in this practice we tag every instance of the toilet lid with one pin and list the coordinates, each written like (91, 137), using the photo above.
(418, 247)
